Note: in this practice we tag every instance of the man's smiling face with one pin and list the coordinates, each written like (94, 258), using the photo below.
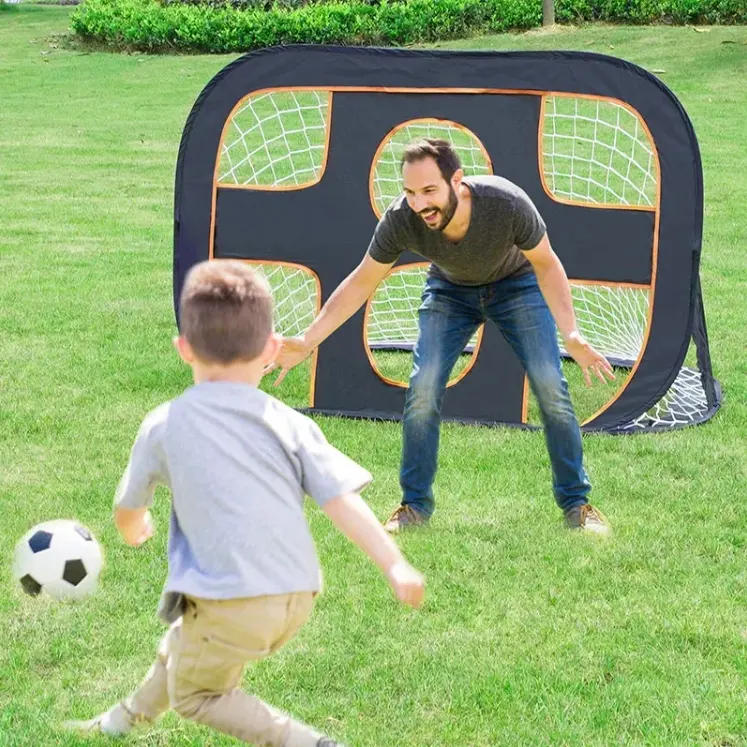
(429, 194)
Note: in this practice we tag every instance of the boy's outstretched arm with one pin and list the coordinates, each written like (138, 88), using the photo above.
(352, 516)
(145, 470)
(135, 525)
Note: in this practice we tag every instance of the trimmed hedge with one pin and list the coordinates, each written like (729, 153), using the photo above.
(269, 4)
(151, 26)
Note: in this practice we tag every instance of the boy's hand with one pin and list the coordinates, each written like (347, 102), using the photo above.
(407, 583)
(352, 516)
(147, 530)
(135, 525)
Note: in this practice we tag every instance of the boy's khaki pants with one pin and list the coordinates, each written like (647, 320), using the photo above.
(201, 660)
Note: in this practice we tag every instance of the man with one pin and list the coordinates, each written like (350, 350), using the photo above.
(491, 260)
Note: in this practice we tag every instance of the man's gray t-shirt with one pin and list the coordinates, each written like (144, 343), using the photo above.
(238, 464)
(503, 222)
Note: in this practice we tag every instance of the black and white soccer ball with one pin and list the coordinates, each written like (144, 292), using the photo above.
(60, 558)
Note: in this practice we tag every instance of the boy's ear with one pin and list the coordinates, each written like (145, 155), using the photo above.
(272, 348)
(184, 349)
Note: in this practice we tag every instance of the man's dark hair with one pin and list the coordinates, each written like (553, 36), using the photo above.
(441, 151)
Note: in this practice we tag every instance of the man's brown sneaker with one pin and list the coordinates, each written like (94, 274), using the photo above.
(404, 517)
(588, 519)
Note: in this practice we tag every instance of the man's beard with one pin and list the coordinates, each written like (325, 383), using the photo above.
(447, 212)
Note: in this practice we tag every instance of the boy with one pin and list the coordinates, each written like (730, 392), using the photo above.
(243, 571)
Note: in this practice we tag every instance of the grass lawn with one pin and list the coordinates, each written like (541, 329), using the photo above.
(530, 635)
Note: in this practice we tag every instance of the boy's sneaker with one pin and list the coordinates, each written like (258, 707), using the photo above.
(404, 517)
(587, 518)
(114, 723)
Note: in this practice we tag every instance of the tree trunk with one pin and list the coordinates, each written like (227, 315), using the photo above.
(548, 12)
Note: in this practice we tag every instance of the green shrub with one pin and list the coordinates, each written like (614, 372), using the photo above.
(222, 26)
(267, 4)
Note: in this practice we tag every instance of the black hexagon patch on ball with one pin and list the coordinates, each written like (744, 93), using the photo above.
(30, 586)
(40, 541)
(83, 532)
(74, 572)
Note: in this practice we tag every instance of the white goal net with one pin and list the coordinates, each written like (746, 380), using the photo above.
(276, 140)
(597, 151)
(295, 291)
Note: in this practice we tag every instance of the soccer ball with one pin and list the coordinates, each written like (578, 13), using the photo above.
(60, 558)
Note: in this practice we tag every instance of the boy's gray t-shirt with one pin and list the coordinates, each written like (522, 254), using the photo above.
(238, 464)
(503, 222)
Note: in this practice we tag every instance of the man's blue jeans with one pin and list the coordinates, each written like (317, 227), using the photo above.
(448, 317)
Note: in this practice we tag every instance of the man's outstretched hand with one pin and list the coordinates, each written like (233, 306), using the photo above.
(294, 350)
(590, 361)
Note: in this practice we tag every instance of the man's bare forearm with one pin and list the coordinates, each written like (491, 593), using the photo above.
(553, 283)
(348, 297)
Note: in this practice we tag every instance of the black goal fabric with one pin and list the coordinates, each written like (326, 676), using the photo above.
(498, 96)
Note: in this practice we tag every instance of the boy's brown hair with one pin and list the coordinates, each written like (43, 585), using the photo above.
(225, 311)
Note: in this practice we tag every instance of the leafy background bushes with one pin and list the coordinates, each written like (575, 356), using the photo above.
(242, 25)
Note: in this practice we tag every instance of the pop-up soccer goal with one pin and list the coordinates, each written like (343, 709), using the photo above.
(290, 155)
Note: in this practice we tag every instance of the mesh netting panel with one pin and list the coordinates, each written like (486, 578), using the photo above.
(393, 316)
(612, 318)
(597, 151)
(296, 296)
(276, 139)
(684, 403)
(387, 178)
